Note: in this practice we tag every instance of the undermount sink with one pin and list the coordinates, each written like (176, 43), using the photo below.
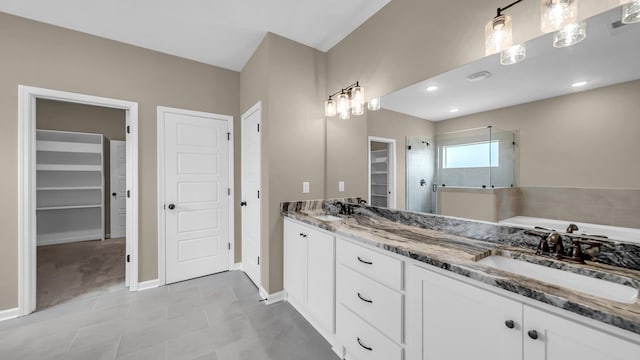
(326, 217)
(584, 284)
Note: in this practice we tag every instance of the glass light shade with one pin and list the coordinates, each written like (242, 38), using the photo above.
(345, 115)
(357, 109)
(357, 96)
(373, 104)
(570, 35)
(556, 14)
(330, 108)
(630, 11)
(513, 55)
(343, 104)
(498, 34)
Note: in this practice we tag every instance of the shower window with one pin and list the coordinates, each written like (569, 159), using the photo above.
(472, 155)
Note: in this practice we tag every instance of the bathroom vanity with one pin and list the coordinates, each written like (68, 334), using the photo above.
(386, 284)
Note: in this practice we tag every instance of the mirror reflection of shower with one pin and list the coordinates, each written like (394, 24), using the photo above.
(420, 163)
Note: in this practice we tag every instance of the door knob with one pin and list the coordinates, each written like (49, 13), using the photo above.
(243, 203)
(114, 194)
(171, 206)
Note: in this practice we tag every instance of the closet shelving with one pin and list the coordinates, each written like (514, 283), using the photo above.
(379, 177)
(69, 186)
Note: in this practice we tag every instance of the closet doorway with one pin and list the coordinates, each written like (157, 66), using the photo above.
(382, 172)
(66, 248)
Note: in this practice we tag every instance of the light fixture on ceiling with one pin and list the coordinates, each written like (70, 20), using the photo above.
(556, 14)
(349, 100)
(570, 34)
(579, 84)
(455, 110)
(432, 88)
(630, 11)
(513, 55)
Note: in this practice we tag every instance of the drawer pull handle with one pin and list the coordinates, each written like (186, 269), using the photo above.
(510, 324)
(364, 261)
(364, 299)
(364, 346)
(533, 334)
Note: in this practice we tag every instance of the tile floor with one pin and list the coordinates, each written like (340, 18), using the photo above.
(213, 317)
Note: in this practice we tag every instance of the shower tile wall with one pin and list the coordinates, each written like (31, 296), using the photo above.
(598, 206)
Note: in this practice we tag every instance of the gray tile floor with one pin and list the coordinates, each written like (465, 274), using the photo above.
(213, 317)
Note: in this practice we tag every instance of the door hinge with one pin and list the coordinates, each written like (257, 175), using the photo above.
(229, 191)
(128, 129)
(258, 194)
(128, 258)
(228, 136)
(258, 260)
(128, 193)
(258, 127)
(229, 246)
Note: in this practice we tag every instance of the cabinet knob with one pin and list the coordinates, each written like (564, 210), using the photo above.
(533, 334)
(243, 203)
(171, 206)
(510, 324)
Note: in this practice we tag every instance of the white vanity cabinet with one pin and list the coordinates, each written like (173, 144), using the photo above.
(309, 274)
(450, 319)
(370, 303)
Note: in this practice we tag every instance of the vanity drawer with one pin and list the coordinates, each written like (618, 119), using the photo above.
(375, 265)
(376, 303)
(363, 342)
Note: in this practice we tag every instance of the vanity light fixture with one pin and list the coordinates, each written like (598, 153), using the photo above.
(349, 100)
(579, 84)
(432, 88)
(570, 34)
(498, 32)
(374, 104)
(630, 11)
(513, 55)
(557, 14)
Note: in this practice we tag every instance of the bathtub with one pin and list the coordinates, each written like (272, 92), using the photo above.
(613, 232)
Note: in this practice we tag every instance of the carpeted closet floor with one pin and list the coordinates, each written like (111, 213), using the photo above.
(79, 270)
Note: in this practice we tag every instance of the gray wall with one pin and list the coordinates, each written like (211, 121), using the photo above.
(46, 56)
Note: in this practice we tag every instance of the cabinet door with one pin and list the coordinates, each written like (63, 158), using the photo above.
(321, 278)
(561, 339)
(295, 263)
(448, 319)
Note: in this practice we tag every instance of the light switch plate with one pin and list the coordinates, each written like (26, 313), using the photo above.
(341, 186)
(305, 187)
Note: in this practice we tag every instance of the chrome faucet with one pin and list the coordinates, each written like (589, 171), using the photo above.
(571, 228)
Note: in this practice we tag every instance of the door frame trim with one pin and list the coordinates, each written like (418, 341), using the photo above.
(27, 232)
(392, 159)
(161, 110)
(255, 108)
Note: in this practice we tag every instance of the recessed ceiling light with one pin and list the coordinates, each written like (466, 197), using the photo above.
(454, 110)
(432, 88)
(579, 84)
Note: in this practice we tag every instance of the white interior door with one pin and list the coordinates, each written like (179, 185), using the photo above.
(196, 163)
(251, 193)
(118, 186)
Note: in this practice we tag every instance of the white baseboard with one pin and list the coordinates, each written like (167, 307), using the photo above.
(236, 266)
(145, 285)
(271, 298)
(8, 314)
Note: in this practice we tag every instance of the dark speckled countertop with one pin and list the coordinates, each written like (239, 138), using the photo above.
(456, 245)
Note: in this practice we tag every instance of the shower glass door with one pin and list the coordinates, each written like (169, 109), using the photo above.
(420, 162)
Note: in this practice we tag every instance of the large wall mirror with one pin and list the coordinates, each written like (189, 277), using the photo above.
(556, 136)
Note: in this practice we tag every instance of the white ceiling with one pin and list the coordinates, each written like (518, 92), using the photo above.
(607, 56)
(223, 33)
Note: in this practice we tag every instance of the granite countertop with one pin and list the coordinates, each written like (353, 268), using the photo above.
(459, 254)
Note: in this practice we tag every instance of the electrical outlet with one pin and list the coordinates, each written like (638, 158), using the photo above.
(341, 186)
(305, 187)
